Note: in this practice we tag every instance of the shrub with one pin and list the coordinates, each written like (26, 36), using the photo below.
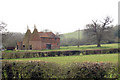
(92, 70)
(42, 69)
(31, 69)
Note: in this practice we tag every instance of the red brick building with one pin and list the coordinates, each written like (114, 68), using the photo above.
(38, 41)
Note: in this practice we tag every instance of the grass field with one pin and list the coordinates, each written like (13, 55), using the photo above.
(80, 58)
(89, 47)
(82, 47)
(72, 35)
(113, 58)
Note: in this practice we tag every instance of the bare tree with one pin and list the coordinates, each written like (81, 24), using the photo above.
(3, 26)
(98, 30)
(9, 39)
(2, 29)
(57, 34)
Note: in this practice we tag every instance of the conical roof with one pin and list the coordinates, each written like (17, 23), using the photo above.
(27, 35)
(35, 35)
(27, 38)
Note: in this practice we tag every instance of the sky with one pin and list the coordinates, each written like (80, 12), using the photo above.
(61, 16)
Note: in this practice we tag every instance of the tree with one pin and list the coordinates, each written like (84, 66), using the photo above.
(57, 34)
(9, 39)
(3, 26)
(117, 31)
(2, 29)
(99, 30)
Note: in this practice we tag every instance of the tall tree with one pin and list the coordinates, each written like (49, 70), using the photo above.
(99, 30)
(3, 26)
(2, 29)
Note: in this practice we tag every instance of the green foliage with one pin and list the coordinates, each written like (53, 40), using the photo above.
(28, 54)
(31, 69)
(92, 70)
(40, 69)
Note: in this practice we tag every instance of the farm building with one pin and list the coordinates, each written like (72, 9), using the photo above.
(38, 41)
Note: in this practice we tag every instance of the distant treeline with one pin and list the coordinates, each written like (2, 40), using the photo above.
(9, 39)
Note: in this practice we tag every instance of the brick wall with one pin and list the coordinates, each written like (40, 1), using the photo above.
(39, 45)
(19, 45)
(55, 43)
(36, 45)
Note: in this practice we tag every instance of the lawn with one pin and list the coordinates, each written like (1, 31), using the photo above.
(79, 58)
(89, 47)
(82, 47)
(113, 58)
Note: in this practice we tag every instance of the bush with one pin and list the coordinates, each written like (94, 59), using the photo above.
(92, 70)
(31, 69)
(40, 69)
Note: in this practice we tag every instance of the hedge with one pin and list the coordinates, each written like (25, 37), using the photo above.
(39, 69)
(31, 69)
(93, 70)
(56, 53)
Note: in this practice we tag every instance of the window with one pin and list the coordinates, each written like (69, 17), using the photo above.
(23, 46)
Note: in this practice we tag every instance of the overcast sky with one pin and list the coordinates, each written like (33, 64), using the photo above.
(61, 16)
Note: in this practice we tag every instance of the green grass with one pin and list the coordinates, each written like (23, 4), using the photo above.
(73, 35)
(89, 47)
(113, 58)
(82, 47)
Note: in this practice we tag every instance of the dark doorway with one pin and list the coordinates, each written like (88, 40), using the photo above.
(48, 46)
(17, 46)
(30, 47)
(23, 47)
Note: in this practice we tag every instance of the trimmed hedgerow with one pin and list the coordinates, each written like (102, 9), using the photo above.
(31, 69)
(92, 70)
(56, 53)
(40, 69)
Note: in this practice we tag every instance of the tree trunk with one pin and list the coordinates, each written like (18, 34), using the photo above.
(98, 43)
